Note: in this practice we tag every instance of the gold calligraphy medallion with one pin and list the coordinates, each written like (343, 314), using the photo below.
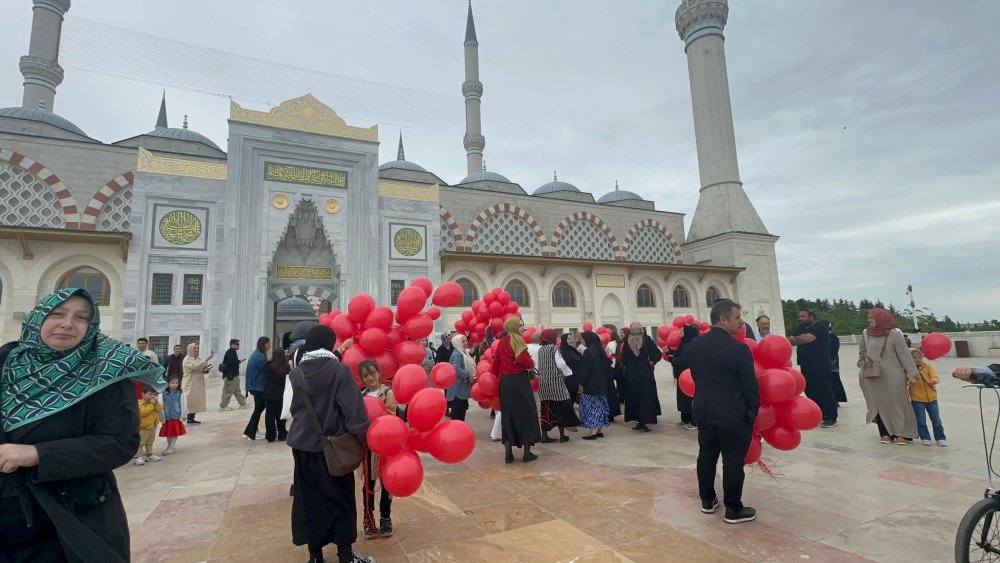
(408, 241)
(180, 227)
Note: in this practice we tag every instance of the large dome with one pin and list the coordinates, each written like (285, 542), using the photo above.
(42, 116)
(182, 135)
(484, 175)
(402, 165)
(555, 186)
(618, 195)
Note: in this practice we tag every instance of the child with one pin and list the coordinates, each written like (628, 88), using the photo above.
(370, 375)
(149, 417)
(172, 427)
(923, 397)
(275, 372)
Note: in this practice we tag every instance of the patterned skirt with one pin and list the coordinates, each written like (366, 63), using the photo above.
(593, 411)
(172, 428)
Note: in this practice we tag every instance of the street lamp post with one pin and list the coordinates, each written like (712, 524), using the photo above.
(913, 308)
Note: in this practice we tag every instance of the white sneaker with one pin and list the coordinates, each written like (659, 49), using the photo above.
(140, 460)
(225, 409)
(168, 451)
(153, 457)
(926, 442)
(942, 443)
(243, 406)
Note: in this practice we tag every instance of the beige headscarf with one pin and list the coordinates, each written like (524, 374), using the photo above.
(513, 328)
(461, 343)
(635, 337)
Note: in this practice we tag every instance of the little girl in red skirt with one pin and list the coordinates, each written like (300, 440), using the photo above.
(172, 426)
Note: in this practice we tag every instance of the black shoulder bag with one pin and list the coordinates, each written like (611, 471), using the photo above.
(344, 453)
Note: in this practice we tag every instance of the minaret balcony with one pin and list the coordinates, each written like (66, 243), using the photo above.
(41, 70)
(474, 143)
(694, 15)
(472, 89)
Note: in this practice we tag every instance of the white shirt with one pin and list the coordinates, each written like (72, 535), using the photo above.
(533, 352)
(151, 355)
(561, 364)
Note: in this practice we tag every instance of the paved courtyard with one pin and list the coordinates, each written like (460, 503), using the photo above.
(841, 496)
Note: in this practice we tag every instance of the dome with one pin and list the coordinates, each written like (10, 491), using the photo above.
(295, 306)
(618, 195)
(402, 165)
(182, 135)
(484, 175)
(556, 186)
(42, 116)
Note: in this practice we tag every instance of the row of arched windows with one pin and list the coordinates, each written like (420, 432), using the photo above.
(564, 296)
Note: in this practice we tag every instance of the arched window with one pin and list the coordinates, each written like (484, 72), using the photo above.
(518, 292)
(644, 296)
(712, 295)
(90, 279)
(562, 295)
(469, 293)
(681, 297)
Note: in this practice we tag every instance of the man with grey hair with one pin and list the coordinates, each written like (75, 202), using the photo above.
(763, 327)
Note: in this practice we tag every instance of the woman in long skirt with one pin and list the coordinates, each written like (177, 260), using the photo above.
(595, 369)
(639, 355)
(572, 357)
(514, 367)
(557, 407)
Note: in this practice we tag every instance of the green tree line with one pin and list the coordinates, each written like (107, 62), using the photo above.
(849, 317)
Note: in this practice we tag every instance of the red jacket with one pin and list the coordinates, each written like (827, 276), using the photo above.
(504, 363)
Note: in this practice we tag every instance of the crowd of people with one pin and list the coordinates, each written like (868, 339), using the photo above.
(75, 405)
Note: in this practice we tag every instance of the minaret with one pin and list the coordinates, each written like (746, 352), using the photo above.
(723, 206)
(161, 119)
(399, 153)
(472, 89)
(40, 67)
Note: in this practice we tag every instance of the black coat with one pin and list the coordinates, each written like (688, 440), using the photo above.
(443, 354)
(274, 383)
(726, 391)
(642, 403)
(595, 372)
(230, 365)
(73, 487)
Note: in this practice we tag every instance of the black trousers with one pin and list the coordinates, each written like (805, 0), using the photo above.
(274, 427)
(259, 404)
(458, 408)
(732, 443)
(819, 390)
(384, 502)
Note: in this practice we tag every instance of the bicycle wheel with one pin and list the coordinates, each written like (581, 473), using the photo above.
(978, 536)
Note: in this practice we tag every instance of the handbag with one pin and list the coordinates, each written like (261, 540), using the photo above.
(872, 369)
(344, 453)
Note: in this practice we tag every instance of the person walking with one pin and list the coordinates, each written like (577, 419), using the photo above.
(595, 370)
(813, 341)
(513, 365)
(639, 355)
(923, 397)
(573, 359)
(465, 370)
(230, 369)
(174, 363)
(256, 381)
(193, 383)
(679, 362)
(836, 385)
(886, 394)
(275, 373)
(557, 406)
(726, 400)
(443, 351)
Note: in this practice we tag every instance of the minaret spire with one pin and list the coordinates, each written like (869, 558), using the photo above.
(472, 89)
(399, 153)
(161, 119)
(40, 67)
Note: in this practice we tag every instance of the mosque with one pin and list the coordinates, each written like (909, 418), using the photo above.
(182, 241)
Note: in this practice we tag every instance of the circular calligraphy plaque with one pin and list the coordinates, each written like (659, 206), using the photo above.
(332, 206)
(407, 241)
(279, 201)
(180, 227)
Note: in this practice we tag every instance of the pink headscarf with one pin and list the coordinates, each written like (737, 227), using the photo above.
(884, 322)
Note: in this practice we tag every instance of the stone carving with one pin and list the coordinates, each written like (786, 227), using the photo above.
(584, 239)
(304, 273)
(407, 241)
(116, 213)
(651, 246)
(27, 200)
(332, 206)
(413, 193)
(279, 201)
(305, 113)
(180, 227)
(148, 162)
(305, 175)
(506, 233)
(695, 14)
(305, 240)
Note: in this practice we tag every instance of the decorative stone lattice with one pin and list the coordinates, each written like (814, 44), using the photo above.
(89, 218)
(450, 235)
(506, 233)
(27, 200)
(70, 214)
(539, 246)
(650, 245)
(116, 212)
(584, 239)
(560, 232)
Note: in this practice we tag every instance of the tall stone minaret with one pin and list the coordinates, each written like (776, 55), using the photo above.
(472, 89)
(723, 206)
(40, 67)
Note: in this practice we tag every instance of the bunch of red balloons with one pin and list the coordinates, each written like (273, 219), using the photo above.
(784, 413)
(397, 443)
(491, 311)
(386, 337)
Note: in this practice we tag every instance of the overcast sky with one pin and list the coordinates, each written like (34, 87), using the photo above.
(868, 133)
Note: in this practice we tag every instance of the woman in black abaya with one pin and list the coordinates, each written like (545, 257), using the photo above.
(639, 355)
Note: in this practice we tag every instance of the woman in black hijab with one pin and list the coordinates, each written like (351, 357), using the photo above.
(680, 363)
(595, 370)
(573, 359)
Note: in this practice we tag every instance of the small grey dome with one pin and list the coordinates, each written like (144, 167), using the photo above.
(42, 116)
(555, 186)
(402, 165)
(293, 305)
(484, 175)
(182, 135)
(618, 195)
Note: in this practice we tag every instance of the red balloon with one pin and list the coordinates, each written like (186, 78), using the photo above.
(353, 356)
(497, 325)
(489, 298)
(452, 441)
(483, 314)
(408, 352)
(484, 365)
(774, 351)
(410, 302)
(776, 386)
(425, 284)
(674, 339)
(418, 326)
(433, 312)
(800, 380)
(781, 438)
(484, 404)
(800, 413)
(754, 451)
(935, 345)
(757, 368)
(373, 340)
(359, 306)
(418, 439)
(766, 417)
(443, 375)
(387, 435)
(409, 379)
(380, 317)
(496, 291)
(335, 313)
(751, 344)
(402, 473)
(467, 316)
(688, 319)
(375, 408)
(495, 403)
(324, 319)
(395, 336)
(426, 408)
(535, 385)
(461, 326)
(662, 333)
(496, 309)
(666, 355)
(605, 338)
(489, 383)
(512, 307)
(704, 326)
(476, 306)
(679, 321)
(387, 365)
(342, 326)
(587, 327)
(686, 383)
(448, 294)
(477, 395)
(503, 298)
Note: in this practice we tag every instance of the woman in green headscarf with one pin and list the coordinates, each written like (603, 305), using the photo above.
(515, 368)
(69, 417)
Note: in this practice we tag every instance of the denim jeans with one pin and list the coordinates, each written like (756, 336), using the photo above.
(932, 411)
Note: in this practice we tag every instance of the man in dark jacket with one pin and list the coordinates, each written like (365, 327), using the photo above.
(726, 400)
(174, 363)
(444, 351)
(230, 368)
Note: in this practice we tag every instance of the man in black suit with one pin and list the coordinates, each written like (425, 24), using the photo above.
(726, 400)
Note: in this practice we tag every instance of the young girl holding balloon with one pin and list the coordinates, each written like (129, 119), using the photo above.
(371, 377)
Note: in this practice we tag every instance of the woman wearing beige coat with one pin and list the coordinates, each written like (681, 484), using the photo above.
(194, 382)
(888, 396)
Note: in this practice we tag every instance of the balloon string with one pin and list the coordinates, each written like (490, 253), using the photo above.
(768, 468)
(368, 489)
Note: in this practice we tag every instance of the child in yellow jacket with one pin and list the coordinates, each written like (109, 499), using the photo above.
(923, 397)
(149, 417)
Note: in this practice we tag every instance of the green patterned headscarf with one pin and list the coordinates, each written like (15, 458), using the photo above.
(38, 381)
